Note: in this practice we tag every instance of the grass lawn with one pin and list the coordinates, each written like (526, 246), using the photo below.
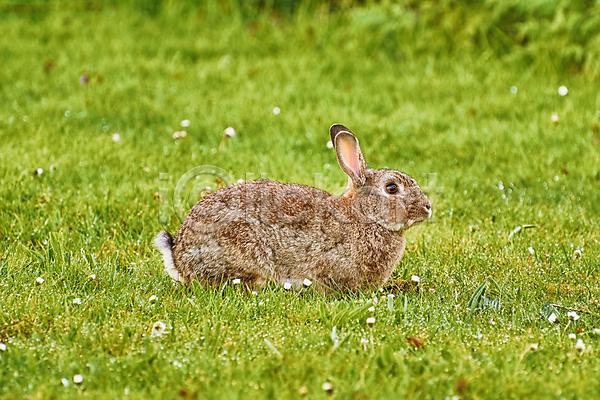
(89, 103)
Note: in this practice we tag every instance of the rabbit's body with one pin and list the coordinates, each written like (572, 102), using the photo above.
(263, 231)
(280, 239)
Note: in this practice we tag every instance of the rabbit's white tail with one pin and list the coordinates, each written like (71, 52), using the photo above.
(164, 242)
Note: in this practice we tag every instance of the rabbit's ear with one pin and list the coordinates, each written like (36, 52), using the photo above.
(348, 154)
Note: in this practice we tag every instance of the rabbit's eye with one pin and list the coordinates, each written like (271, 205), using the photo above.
(391, 188)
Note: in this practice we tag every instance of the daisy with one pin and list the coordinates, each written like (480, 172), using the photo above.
(563, 90)
(158, 329)
(572, 316)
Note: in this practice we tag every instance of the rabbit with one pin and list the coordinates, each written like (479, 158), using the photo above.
(263, 231)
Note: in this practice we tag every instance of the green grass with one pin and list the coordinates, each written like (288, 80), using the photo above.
(501, 161)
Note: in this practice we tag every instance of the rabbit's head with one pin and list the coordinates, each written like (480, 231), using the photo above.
(387, 197)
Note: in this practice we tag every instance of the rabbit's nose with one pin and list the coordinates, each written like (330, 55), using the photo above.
(428, 208)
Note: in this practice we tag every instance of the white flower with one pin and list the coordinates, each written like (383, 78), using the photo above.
(327, 387)
(182, 134)
(240, 181)
(39, 171)
(479, 336)
(77, 300)
(237, 281)
(40, 280)
(577, 253)
(513, 89)
(533, 346)
(330, 145)
(78, 378)
(391, 296)
(153, 298)
(530, 249)
(276, 110)
(415, 278)
(158, 329)
(116, 137)
(372, 309)
(572, 315)
(563, 90)
(579, 345)
(177, 364)
(572, 336)
(175, 135)
(370, 321)
(554, 118)
(364, 341)
(307, 282)
(93, 276)
(375, 300)
(65, 381)
(552, 318)
(287, 286)
(334, 337)
(2, 347)
(230, 132)
(185, 123)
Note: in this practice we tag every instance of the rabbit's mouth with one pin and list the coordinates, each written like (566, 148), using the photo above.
(401, 223)
(411, 222)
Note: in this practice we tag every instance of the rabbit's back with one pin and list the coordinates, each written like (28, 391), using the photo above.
(262, 231)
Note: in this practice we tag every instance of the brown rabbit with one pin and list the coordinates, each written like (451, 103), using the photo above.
(263, 231)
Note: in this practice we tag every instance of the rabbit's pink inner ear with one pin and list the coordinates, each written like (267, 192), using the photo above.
(350, 157)
(347, 147)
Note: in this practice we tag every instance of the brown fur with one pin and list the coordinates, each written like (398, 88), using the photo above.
(263, 231)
